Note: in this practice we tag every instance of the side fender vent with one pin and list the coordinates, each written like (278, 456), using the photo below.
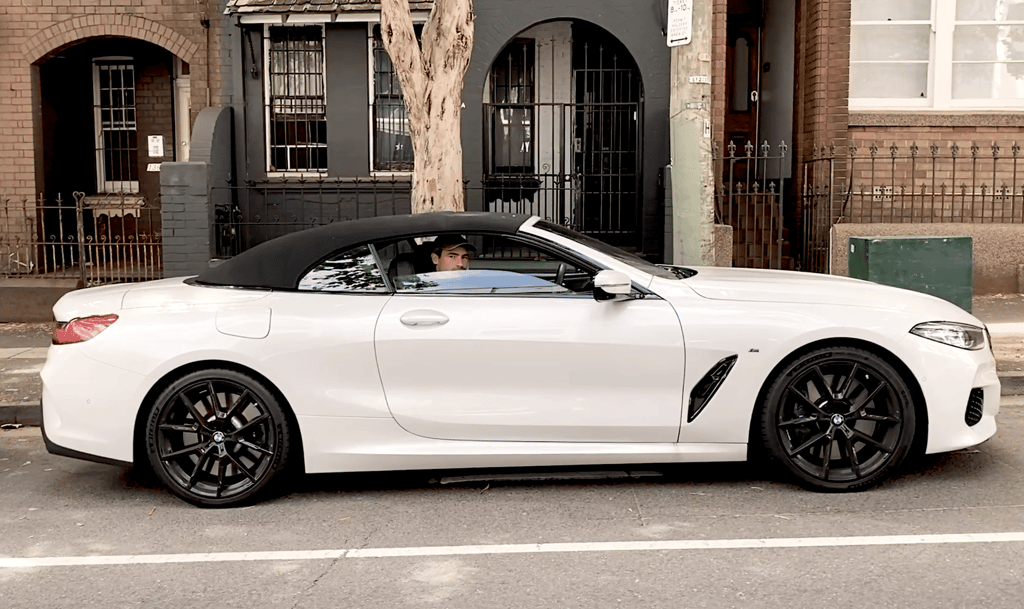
(707, 386)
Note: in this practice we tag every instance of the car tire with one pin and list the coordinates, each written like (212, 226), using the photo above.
(838, 419)
(218, 438)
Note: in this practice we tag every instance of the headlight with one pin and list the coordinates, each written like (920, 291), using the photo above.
(951, 333)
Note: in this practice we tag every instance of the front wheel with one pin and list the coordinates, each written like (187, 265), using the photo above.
(839, 419)
(217, 438)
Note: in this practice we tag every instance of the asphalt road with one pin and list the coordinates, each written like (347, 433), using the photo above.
(949, 533)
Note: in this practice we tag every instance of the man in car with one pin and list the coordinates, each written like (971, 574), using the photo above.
(451, 253)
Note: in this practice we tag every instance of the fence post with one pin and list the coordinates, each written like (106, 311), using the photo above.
(80, 222)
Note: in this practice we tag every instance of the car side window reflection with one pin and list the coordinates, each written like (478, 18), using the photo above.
(497, 266)
(353, 271)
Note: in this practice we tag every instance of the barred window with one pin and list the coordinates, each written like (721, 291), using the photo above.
(512, 97)
(117, 139)
(297, 103)
(392, 143)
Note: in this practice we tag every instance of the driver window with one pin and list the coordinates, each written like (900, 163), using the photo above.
(482, 264)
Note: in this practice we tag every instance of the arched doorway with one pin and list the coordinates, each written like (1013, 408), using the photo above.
(111, 111)
(563, 125)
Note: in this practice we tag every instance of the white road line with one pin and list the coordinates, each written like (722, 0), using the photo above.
(526, 548)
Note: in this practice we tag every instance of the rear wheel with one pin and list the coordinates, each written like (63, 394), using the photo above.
(839, 419)
(217, 438)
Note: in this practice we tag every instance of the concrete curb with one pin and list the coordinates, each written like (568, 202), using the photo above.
(30, 413)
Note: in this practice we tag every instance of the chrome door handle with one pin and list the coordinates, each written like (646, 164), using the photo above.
(424, 318)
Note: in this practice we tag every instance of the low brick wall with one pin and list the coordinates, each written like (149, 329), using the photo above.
(998, 249)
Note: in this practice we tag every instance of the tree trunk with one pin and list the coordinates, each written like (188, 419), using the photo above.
(431, 73)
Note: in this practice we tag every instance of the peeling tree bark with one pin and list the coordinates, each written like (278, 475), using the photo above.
(431, 72)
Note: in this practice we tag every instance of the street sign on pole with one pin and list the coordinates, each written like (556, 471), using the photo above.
(680, 22)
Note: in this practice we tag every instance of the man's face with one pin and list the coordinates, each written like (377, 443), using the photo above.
(451, 259)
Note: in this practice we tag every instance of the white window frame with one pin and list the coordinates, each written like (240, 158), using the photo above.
(940, 68)
(102, 184)
(418, 18)
(267, 126)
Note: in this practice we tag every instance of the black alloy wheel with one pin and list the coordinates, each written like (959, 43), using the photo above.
(839, 419)
(217, 438)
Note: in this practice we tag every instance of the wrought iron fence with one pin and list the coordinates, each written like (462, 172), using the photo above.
(954, 182)
(94, 239)
(971, 183)
(749, 191)
(247, 215)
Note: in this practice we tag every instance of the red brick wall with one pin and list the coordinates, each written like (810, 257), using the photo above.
(33, 30)
(822, 77)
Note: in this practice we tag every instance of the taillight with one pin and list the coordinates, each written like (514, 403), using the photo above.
(81, 329)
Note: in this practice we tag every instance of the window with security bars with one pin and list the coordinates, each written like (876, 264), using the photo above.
(392, 143)
(512, 96)
(117, 138)
(296, 99)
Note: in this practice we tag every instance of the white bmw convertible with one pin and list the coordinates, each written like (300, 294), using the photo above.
(369, 345)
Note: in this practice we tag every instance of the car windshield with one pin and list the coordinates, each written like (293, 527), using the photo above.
(622, 256)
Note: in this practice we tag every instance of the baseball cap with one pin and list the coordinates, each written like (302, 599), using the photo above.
(451, 241)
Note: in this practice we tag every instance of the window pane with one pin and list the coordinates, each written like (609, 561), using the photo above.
(392, 142)
(889, 80)
(297, 104)
(353, 271)
(891, 10)
(988, 81)
(988, 42)
(890, 42)
(989, 10)
(512, 97)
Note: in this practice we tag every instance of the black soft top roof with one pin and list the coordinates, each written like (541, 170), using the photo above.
(280, 263)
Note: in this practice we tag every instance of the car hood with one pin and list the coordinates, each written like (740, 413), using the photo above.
(755, 285)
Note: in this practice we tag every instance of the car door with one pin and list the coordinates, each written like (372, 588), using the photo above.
(506, 353)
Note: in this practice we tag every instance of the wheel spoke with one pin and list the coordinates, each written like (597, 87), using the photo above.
(183, 451)
(257, 420)
(220, 479)
(200, 420)
(239, 401)
(869, 440)
(179, 428)
(818, 379)
(255, 447)
(242, 468)
(194, 477)
(879, 418)
(845, 389)
(851, 454)
(806, 444)
(826, 454)
(799, 421)
(806, 400)
(871, 396)
(214, 403)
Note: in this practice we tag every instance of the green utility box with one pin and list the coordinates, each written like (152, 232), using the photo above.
(940, 266)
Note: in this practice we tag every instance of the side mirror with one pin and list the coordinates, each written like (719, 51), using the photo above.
(612, 285)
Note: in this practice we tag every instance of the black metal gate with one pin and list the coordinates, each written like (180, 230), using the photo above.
(567, 144)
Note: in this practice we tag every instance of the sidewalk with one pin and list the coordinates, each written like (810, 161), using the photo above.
(23, 350)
